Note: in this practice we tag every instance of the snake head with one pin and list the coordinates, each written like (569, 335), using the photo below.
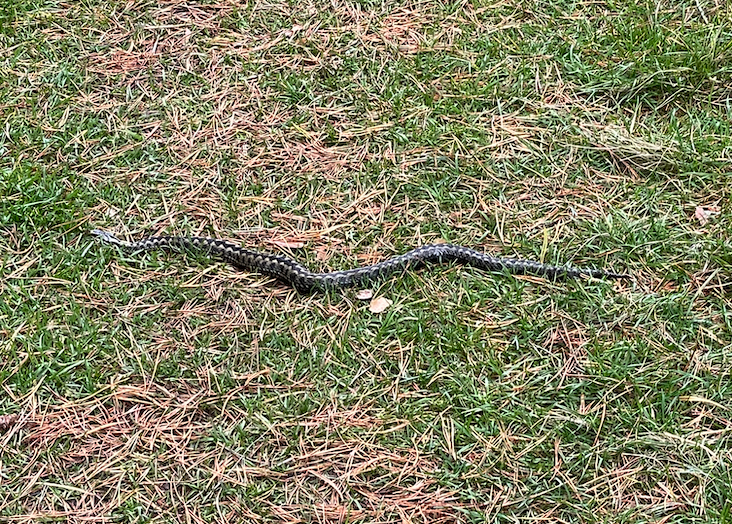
(105, 236)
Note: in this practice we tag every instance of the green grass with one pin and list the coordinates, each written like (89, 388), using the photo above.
(155, 388)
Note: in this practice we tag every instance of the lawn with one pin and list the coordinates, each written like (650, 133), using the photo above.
(172, 388)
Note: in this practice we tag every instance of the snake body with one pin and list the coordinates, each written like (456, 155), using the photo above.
(303, 280)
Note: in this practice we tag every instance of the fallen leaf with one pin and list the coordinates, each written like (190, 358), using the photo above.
(379, 305)
(364, 294)
(704, 214)
(292, 244)
(6, 421)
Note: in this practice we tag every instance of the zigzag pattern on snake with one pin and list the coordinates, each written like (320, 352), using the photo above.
(305, 281)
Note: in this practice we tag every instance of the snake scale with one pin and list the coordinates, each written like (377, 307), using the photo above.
(305, 281)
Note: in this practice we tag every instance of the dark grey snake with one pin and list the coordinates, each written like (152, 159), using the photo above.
(303, 280)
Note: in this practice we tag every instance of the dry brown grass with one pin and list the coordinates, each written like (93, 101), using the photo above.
(252, 128)
(152, 444)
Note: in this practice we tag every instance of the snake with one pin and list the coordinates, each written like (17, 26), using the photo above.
(303, 280)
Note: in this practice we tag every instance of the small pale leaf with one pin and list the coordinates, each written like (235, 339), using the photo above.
(379, 304)
(365, 294)
(704, 214)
